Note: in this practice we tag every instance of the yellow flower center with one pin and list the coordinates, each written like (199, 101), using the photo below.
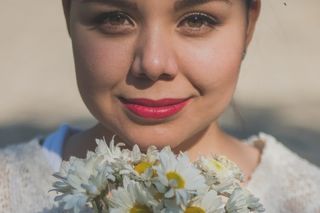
(194, 209)
(217, 165)
(138, 208)
(177, 178)
(142, 167)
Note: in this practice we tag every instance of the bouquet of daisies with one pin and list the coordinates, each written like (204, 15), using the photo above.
(117, 180)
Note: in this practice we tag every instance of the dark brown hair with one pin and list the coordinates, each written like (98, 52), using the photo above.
(248, 3)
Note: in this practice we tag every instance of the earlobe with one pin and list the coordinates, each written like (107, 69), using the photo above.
(253, 15)
(66, 9)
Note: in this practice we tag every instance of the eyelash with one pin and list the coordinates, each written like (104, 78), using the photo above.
(114, 28)
(126, 24)
(211, 21)
(207, 23)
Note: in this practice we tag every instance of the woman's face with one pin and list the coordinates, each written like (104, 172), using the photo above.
(158, 72)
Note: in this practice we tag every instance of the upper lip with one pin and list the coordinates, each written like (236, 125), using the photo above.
(153, 103)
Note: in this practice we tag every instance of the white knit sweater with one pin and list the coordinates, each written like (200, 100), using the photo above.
(284, 182)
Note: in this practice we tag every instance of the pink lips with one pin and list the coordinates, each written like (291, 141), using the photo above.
(154, 109)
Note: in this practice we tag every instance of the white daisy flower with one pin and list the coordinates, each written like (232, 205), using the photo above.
(177, 177)
(143, 164)
(115, 180)
(82, 180)
(143, 161)
(135, 165)
(210, 202)
(241, 201)
(133, 198)
(221, 174)
(220, 167)
(111, 152)
(117, 158)
(74, 202)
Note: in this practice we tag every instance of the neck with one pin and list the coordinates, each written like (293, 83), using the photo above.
(78, 144)
(211, 141)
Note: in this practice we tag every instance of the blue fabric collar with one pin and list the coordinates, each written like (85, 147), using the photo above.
(54, 142)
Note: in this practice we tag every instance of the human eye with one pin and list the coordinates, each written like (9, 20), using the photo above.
(197, 23)
(115, 22)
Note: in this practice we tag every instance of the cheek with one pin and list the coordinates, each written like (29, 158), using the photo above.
(213, 66)
(100, 63)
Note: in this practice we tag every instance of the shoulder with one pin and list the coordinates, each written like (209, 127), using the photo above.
(20, 149)
(291, 182)
(25, 177)
(21, 154)
(14, 154)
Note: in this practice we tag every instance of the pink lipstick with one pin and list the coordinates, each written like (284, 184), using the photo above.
(154, 109)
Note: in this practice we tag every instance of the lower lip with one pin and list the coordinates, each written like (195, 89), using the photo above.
(155, 112)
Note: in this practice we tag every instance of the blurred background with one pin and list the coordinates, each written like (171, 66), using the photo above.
(278, 91)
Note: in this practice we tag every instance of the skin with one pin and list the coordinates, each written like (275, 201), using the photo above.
(159, 50)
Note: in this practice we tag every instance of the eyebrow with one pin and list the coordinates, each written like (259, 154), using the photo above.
(118, 3)
(178, 5)
(181, 4)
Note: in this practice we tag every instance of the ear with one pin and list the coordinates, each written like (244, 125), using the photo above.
(66, 9)
(253, 14)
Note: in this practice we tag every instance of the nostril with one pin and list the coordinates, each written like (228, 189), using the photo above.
(166, 77)
(141, 75)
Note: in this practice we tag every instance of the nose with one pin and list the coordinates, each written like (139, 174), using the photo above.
(154, 58)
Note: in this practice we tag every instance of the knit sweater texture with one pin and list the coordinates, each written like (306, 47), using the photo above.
(284, 182)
